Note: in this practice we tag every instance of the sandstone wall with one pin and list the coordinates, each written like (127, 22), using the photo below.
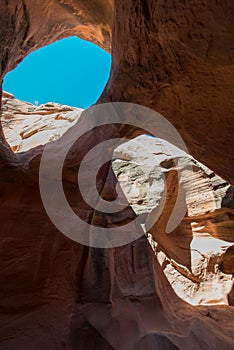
(173, 56)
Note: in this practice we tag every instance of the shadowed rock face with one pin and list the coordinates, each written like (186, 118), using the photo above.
(177, 58)
(27, 26)
(115, 298)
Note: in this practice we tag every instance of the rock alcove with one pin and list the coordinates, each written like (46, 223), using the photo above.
(177, 58)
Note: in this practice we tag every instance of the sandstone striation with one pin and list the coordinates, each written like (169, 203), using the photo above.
(174, 58)
(27, 126)
(172, 290)
(27, 26)
(147, 287)
(177, 58)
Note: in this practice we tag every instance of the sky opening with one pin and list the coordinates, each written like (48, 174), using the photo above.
(71, 71)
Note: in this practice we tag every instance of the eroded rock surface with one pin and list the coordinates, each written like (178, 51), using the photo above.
(177, 58)
(174, 58)
(27, 26)
(131, 297)
(27, 126)
(192, 257)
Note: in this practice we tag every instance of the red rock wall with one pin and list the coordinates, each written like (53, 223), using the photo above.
(177, 57)
(174, 56)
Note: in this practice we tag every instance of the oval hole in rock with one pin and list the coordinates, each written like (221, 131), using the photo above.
(71, 71)
(56, 82)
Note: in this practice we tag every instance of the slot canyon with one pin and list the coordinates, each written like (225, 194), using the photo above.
(162, 290)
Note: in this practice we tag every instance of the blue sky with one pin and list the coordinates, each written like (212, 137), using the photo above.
(71, 71)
